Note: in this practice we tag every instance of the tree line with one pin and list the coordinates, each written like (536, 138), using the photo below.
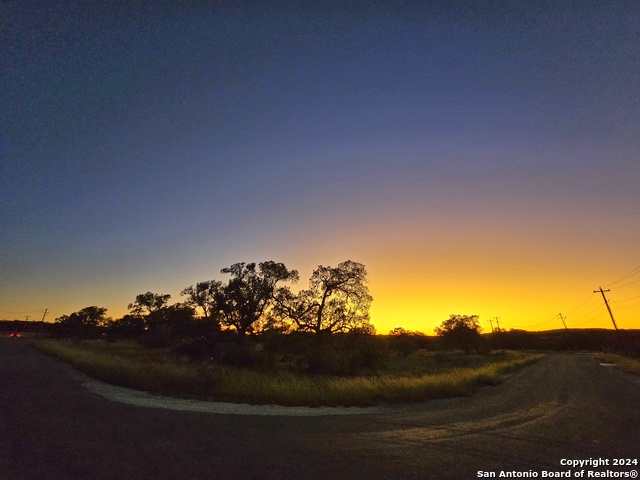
(256, 299)
(327, 324)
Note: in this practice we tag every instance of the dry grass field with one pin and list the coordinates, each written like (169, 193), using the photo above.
(630, 365)
(420, 376)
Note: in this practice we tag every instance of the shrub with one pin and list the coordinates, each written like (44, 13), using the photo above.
(324, 359)
(157, 337)
(198, 347)
(403, 345)
(239, 356)
(128, 364)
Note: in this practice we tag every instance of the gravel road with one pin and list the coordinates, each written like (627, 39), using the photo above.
(566, 406)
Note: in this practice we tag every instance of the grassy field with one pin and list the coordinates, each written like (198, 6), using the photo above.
(631, 365)
(421, 376)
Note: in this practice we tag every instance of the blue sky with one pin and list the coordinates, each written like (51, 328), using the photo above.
(461, 148)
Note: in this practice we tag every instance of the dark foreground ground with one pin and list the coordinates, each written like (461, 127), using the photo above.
(566, 406)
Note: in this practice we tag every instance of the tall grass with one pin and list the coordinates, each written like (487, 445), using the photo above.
(287, 388)
(161, 372)
(126, 367)
(628, 364)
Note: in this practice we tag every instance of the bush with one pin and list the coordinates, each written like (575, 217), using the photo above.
(324, 359)
(366, 351)
(239, 356)
(347, 354)
(461, 331)
(157, 371)
(156, 338)
(403, 345)
(198, 347)
(514, 339)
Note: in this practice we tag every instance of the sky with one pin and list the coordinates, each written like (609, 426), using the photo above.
(479, 158)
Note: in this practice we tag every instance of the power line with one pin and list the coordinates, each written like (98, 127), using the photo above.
(630, 274)
(630, 307)
(627, 284)
(587, 302)
(588, 314)
(625, 307)
(530, 326)
(588, 320)
(628, 299)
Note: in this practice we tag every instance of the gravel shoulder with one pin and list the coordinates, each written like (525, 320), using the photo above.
(145, 399)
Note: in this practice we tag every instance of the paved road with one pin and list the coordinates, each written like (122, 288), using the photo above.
(565, 406)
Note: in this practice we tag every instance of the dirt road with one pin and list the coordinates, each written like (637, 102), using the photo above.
(566, 406)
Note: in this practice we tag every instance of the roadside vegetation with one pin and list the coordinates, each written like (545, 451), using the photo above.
(422, 375)
(254, 339)
(626, 363)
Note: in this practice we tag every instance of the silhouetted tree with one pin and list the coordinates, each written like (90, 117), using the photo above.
(243, 301)
(149, 302)
(461, 331)
(398, 331)
(337, 300)
(85, 322)
(405, 341)
(176, 318)
(168, 324)
(129, 326)
(204, 295)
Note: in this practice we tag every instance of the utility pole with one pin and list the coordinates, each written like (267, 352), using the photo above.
(491, 322)
(46, 310)
(561, 318)
(498, 322)
(606, 302)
